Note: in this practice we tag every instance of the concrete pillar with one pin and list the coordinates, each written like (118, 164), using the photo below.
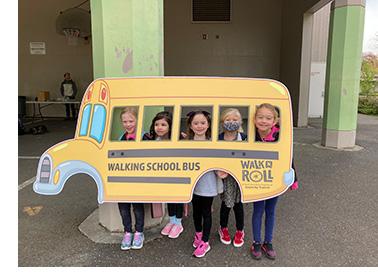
(127, 39)
(343, 73)
(304, 87)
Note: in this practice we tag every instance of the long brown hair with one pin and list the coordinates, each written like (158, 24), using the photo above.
(189, 119)
(162, 115)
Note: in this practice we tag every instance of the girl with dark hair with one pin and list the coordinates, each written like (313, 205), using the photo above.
(161, 130)
(199, 128)
(198, 125)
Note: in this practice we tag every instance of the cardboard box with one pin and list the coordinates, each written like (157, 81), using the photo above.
(43, 96)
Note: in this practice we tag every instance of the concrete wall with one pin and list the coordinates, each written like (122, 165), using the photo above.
(45, 72)
(291, 50)
(263, 39)
(247, 46)
(320, 34)
(318, 61)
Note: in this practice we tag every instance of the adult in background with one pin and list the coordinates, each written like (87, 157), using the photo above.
(68, 90)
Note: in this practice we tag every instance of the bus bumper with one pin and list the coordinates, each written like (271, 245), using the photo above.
(289, 177)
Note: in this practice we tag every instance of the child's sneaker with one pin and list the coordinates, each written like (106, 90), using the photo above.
(138, 240)
(256, 251)
(175, 231)
(268, 250)
(197, 239)
(126, 241)
(201, 250)
(239, 238)
(167, 228)
(224, 236)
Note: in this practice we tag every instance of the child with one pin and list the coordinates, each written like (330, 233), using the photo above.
(265, 120)
(199, 128)
(231, 122)
(161, 130)
(135, 241)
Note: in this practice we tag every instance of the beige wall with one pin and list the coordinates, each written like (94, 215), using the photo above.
(264, 39)
(320, 34)
(45, 72)
(248, 46)
(291, 47)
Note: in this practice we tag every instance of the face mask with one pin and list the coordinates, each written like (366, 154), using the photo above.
(231, 125)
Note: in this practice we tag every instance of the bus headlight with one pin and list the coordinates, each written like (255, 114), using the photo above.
(44, 176)
(56, 176)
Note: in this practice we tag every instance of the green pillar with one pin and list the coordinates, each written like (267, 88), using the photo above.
(127, 39)
(343, 73)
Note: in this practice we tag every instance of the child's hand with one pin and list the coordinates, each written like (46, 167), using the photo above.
(183, 135)
(294, 186)
(221, 174)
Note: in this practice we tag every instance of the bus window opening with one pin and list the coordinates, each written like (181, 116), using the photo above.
(157, 123)
(124, 123)
(233, 123)
(267, 123)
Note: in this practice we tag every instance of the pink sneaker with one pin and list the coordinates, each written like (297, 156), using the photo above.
(167, 228)
(201, 250)
(175, 231)
(197, 239)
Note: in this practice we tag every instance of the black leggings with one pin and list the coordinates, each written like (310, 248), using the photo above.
(239, 215)
(175, 209)
(202, 215)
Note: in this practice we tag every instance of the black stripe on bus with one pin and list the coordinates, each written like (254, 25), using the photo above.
(195, 153)
(176, 180)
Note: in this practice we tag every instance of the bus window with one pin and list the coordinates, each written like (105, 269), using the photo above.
(267, 123)
(124, 123)
(196, 121)
(98, 122)
(157, 123)
(233, 120)
(85, 120)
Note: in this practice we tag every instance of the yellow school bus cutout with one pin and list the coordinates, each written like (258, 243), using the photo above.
(167, 171)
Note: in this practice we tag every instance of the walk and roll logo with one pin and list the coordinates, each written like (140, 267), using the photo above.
(257, 171)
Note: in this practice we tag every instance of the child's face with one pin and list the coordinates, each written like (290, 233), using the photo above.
(264, 119)
(129, 123)
(161, 127)
(199, 125)
(232, 118)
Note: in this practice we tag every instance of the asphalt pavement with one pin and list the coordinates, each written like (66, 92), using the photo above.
(331, 220)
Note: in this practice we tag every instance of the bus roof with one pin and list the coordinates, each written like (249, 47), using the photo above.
(194, 87)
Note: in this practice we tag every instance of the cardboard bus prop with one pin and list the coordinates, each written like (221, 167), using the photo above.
(167, 171)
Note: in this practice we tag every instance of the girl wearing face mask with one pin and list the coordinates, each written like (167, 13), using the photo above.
(231, 122)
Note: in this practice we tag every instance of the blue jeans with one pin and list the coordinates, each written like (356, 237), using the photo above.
(258, 210)
(124, 210)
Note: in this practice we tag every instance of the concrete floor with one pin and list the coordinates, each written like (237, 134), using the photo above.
(332, 220)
